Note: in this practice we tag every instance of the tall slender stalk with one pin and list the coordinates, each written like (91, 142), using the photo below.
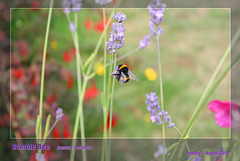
(43, 73)
(79, 113)
(105, 107)
(81, 92)
(229, 158)
(209, 90)
(161, 90)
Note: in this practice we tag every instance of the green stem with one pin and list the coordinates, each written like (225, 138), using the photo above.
(78, 58)
(229, 158)
(205, 95)
(43, 67)
(105, 108)
(161, 91)
(128, 54)
(78, 63)
(111, 108)
(79, 113)
(43, 73)
(80, 94)
(104, 80)
(181, 135)
(115, 7)
(210, 89)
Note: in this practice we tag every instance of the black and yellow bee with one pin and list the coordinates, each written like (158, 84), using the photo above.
(123, 74)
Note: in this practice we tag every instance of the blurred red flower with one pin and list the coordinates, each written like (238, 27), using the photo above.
(67, 57)
(219, 159)
(73, 51)
(88, 24)
(114, 120)
(50, 99)
(91, 92)
(99, 26)
(35, 4)
(2, 35)
(23, 47)
(56, 133)
(70, 82)
(66, 133)
(34, 81)
(17, 73)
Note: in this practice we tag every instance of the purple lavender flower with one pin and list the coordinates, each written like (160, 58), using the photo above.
(41, 157)
(59, 114)
(120, 17)
(66, 5)
(72, 27)
(160, 151)
(103, 2)
(116, 73)
(157, 115)
(144, 42)
(156, 9)
(75, 4)
(116, 36)
(198, 158)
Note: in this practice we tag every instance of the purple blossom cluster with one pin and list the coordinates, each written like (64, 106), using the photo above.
(59, 114)
(42, 158)
(74, 4)
(156, 114)
(115, 73)
(103, 2)
(156, 9)
(144, 42)
(160, 151)
(116, 40)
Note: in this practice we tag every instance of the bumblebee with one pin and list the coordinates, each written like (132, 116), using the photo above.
(123, 74)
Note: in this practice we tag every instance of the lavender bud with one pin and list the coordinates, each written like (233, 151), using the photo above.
(59, 114)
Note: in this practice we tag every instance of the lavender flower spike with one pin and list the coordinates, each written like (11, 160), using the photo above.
(116, 40)
(41, 157)
(156, 9)
(76, 5)
(72, 27)
(103, 2)
(156, 114)
(160, 151)
(144, 42)
(59, 114)
(116, 72)
(66, 5)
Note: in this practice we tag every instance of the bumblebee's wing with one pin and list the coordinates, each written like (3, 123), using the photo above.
(122, 78)
(132, 76)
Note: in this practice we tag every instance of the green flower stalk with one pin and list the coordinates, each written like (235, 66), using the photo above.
(39, 118)
(209, 90)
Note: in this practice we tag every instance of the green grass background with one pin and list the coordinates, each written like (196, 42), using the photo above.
(192, 43)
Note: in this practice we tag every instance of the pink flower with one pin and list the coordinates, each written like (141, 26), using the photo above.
(223, 113)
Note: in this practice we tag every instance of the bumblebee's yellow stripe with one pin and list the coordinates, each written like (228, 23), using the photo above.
(128, 78)
(122, 67)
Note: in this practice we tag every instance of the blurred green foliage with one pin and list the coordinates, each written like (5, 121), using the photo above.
(192, 43)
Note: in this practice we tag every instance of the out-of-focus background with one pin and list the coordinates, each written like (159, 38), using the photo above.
(192, 43)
